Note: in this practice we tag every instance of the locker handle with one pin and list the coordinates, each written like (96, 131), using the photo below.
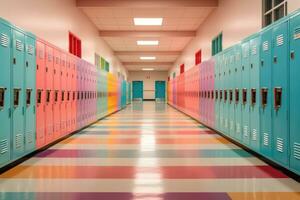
(275, 59)
(34, 109)
(292, 55)
(264, 97)
(277, 97)
(14, 61)
(27, 64)
(9, 112)
(2, 97)
(23, 110)
(262, 63)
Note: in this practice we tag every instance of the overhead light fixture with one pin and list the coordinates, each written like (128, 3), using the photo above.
(147, 21)
(147, 42)
(148, 69)
(147, 57)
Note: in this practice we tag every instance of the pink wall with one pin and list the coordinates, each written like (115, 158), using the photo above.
(52, 19)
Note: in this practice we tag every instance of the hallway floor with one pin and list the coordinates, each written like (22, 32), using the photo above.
(146, 151)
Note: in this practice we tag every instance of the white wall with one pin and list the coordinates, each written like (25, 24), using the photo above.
(236, 19)
(52, 19)
(149, 79)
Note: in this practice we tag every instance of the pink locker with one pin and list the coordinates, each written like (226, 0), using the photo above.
(49, 94)
(205, 93)
(73, 89)
(40, 93)
(95, 93)
(63, 116)
(68, 95)
(57, 93)
(79, 94)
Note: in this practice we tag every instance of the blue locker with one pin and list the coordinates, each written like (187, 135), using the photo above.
(266, 93)
(18, 93)
(238, 92)
(280, 73)
(254, 92)
(245, 92)
(5, 95)
(294, 93)
(30, 90)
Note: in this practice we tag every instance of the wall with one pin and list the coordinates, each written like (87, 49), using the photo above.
(149, 79)
(52, 19)
(236, 19)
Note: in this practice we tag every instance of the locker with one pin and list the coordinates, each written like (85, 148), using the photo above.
(294, 93)
(266, 144)
(222, 92)
(73, 93)
(68, 94)
(254, 92)
(56, 93)
(18, 93)
(49, 94)
(231, 113)
(40, 94)
(79, 89)
(5, 95)
(280, 72)
(30, 93)
(63, 114)
(216, 96)
(245, 92)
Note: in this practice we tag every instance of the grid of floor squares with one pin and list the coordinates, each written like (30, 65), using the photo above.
(146, 151)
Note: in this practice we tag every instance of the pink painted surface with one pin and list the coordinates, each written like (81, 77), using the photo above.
(63, 94)
(57, 89)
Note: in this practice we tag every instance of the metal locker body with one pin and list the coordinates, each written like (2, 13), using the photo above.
(57, 93)
(294, 93)
(231, 77)
(5, 90)
(221, 92)
(245, 92)
(49, 94)
(217, 89)
(30, 93)
(99, 93)
(74, 102)
(78, 83)
(266, 102)
(280, 74)
(68, 94)
(63, 86)
(254, 92)
(18, 107)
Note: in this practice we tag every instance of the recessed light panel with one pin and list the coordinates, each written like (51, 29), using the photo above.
(147, 21)
(147, 42)
(147, 69)
(147, 57)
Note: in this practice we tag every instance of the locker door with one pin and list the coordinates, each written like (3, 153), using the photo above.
(221, 94)
(68, 93)
(63, 94)
(280, 72)
(57, 93)
(30, 93)
(294, 93)
(265, 93)
(40, 94)
(18, 108)
(254, 93)
(49, 94)
(230, 92)
(238, 93)
(245, 93)
(5, 95)
(217, 86)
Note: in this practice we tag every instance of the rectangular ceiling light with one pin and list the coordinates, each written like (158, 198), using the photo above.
(147, 69)
(148, 21)
(147, 42)
(147, 57)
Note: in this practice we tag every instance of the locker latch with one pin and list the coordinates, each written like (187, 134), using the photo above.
(16, 96)
(212, 94)
(48, 96)
(253, 96)
(277, 97)
(264, 97)
(237, 95)
(244, 96)
(39, 96)
(56, 96)
(292, 55)
(208, 94)
(28, 96)
(216, 95)
(62, 96)
(230, 95)
(2, 97)
(221, 95)
(68, 96)
(262, 63)
(225, 95)
(275, 59)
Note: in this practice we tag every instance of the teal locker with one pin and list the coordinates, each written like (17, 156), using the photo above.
(254, 92)
(137, 90)
(245, 92)
(18, 93)
(221, 95)
(280, 73)
(266, 93)
(225, 95)
(5, 95)
(160, 90)
(30, 88)
(294, 93)
(217, 89)
(231, 78)
(238, 92)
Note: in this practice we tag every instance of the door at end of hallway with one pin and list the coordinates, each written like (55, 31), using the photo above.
(160, 90)
(137, 90)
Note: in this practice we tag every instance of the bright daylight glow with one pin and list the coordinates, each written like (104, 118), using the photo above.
(147, 57)
(147, 42)
(147, 69)
(148, 21)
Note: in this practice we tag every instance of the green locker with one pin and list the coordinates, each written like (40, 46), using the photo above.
(221, 89)
(30, 88)
(294, 93)
(254, 92)
(237, 92)
(217, 89)
(5, 95)
(231, 77)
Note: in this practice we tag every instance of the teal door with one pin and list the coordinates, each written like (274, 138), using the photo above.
(160, 90)
(137, 87)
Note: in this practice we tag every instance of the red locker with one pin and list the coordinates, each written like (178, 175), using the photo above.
(63, 116)
(57, 93)
(40, 94)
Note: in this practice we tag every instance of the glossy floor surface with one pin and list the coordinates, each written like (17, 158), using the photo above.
(146, 151)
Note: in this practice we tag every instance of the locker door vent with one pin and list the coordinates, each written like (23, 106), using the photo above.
(49, 57)
(254, 134)
(238, 128)
(266, 139)
(265, 46)
(29, 137)
(19, 140)
(279, 144)
(279, 40)
(297, 33)
(3, 146)
(4, 40)
(297, 150)
(245, 131)
(30, 49)
(254, 50)
(19, 45)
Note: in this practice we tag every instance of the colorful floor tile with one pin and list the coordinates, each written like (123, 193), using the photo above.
(146, 151)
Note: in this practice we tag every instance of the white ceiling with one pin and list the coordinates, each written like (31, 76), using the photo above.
(121, 19)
